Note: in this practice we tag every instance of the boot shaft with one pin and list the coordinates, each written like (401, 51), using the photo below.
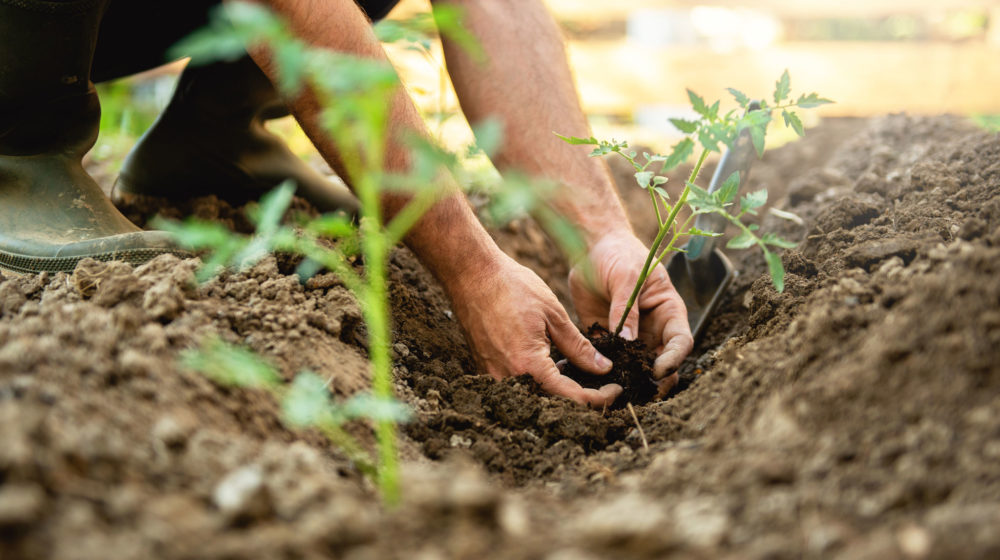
(47, 102)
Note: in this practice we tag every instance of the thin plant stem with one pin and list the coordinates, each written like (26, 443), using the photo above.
(656, 206)
(664, 227)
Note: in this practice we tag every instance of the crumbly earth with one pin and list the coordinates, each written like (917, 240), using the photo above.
(855, 415)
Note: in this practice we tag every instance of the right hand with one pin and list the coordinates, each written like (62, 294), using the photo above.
(509, 316)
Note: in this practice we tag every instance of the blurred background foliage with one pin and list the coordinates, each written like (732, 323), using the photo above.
(633, 61)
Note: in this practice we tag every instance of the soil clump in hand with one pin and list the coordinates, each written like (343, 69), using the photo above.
(632, 369)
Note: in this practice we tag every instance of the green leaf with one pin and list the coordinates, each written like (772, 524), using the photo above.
(792, 120)
(741, 241)
(659, 180)
(576, 141)
(230, 365)
(369, 406)
(332, 225)
(307, 402)
(643, 178)
(741, 98)
(776, 269)
(701, 200)
(663, 194)
(713, 111)
(489, 135)
(812, 100)
(685, 126)
(782, 88)
(273, 205)
(449, 21)
(707, 141)
(751, 201)
(698, 104)
(731, 186)
(679, 154)
(777, 241)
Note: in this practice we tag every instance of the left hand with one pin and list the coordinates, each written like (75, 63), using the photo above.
(658, 318)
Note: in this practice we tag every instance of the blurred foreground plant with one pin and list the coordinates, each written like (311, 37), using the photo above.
(356, 95)
(710, 130)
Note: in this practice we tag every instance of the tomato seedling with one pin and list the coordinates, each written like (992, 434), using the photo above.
(710, 131)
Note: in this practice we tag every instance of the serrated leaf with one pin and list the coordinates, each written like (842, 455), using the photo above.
(731, 186)
(777, 241)
(787, 215)
(698, 103)
(792, 120)
(741, 98)
(776, 269)
(307, 402)
(679, 154)
(741, 241)
(702, 200)
(684, 125)
(782, 88)
(643, 178)
(812, 100)
(751, 201)
(713, 111)
(576, 141)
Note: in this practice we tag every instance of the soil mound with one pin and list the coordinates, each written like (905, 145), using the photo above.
(857, 414)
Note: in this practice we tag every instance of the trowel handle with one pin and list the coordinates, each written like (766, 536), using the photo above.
(739, 157)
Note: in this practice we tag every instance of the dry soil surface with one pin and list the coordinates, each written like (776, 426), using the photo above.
(855, 415)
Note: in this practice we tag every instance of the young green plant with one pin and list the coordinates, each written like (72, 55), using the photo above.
(709, 131)
(356, 94)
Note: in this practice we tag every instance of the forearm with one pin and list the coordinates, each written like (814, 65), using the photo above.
(449, 228)
(525, 82)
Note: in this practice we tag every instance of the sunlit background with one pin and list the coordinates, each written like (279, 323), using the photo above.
(633, 61)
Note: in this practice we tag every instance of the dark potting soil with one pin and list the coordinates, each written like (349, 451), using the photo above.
(632, 367)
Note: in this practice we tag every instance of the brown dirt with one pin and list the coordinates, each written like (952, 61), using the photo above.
(632, 367)
(857, 414)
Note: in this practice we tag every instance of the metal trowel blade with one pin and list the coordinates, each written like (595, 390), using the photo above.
(701, 284)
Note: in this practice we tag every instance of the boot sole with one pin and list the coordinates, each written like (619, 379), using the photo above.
(26, 264)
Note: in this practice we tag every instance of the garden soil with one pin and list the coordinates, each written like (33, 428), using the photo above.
(855, 415)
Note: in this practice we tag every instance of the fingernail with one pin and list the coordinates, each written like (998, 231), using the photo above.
(602, 362)
(627, 334)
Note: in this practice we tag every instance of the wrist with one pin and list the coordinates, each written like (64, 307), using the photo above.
(453, 246)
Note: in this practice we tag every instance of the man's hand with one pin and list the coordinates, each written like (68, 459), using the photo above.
(659, 318)
(509, 316)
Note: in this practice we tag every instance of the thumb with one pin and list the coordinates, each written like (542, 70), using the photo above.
(619, 301)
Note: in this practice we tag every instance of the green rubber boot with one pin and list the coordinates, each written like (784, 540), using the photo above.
(211, 139)
(52, 213)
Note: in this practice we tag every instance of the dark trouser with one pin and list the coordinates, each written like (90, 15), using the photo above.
(135, 35)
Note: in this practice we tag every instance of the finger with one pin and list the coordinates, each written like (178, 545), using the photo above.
(664, 385)
(554, 383)
(577, 349)
(619, 301)
(677, 344)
